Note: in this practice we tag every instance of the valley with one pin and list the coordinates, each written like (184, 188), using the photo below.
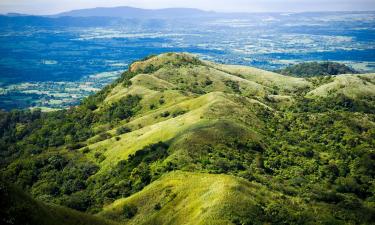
(63, 51)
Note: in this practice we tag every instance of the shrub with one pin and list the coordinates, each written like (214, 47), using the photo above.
(157, 206)
(208, 82)
(129, 211)
(165, 114)
(79, 201)
(233, 85)
(123, 130)
(178, 113)
(347, 185)
(75, 146)
(104, 136)
(86, 150)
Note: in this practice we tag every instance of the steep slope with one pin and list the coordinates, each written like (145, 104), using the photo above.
(354, 87)
(193, 198)
(268, 79)
(232, 144)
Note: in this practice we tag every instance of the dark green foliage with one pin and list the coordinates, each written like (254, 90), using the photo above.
(52, 176)
(157, 206)
(315, 69)
(86, 150)
(75, 146)
(123, 130)
(80, 201)
(208, 82)
(299, 142)
(103, 136)
(19, 208)
(129, 211)
(178, 113)
(25, 133)
(120, 110)
(233, 85)
(338, 102)
(152, 106)
(125, 78)
(165, 114)
(129, 175)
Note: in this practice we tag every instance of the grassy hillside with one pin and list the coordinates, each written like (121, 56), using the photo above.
(203, 198)
(177, 140)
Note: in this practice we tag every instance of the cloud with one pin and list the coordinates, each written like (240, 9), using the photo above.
(49, 7)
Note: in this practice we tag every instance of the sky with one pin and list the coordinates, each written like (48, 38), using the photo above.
(45, 7)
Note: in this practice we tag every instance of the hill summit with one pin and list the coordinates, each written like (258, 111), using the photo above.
(179, 140)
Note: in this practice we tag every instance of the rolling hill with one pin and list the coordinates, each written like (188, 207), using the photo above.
(178, 140)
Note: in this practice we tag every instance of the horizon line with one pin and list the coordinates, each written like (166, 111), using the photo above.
(203, 10)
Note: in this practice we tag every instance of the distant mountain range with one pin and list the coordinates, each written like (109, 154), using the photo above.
(166, 13)
(130, 12)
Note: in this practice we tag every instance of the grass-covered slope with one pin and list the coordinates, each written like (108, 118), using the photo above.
(177, 140)
(193, 198)
(355, 87)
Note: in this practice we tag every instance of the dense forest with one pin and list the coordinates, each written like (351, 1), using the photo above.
(311, 69)
(311, 155)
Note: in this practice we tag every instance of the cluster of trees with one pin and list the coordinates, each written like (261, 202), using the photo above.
(131, 175)
(322, 154)
(54, 178)
(338, 102)
(65, 179)
(30, 132)
(311, 69)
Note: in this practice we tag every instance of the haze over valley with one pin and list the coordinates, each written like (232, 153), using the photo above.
(48, 61)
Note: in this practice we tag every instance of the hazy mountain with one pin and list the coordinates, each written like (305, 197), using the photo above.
(19, 22)
(16, 14)
(130, 12)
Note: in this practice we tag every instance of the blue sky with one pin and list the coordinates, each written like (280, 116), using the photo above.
(54, 6)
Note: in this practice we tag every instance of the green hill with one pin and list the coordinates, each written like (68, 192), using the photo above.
(310, 69)
(177, 140)
(19, 208)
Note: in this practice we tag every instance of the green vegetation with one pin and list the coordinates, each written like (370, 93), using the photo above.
(176, 140)
(312, 69)
(19, 208)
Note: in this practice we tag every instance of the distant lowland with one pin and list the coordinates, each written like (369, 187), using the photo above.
(54, 61)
